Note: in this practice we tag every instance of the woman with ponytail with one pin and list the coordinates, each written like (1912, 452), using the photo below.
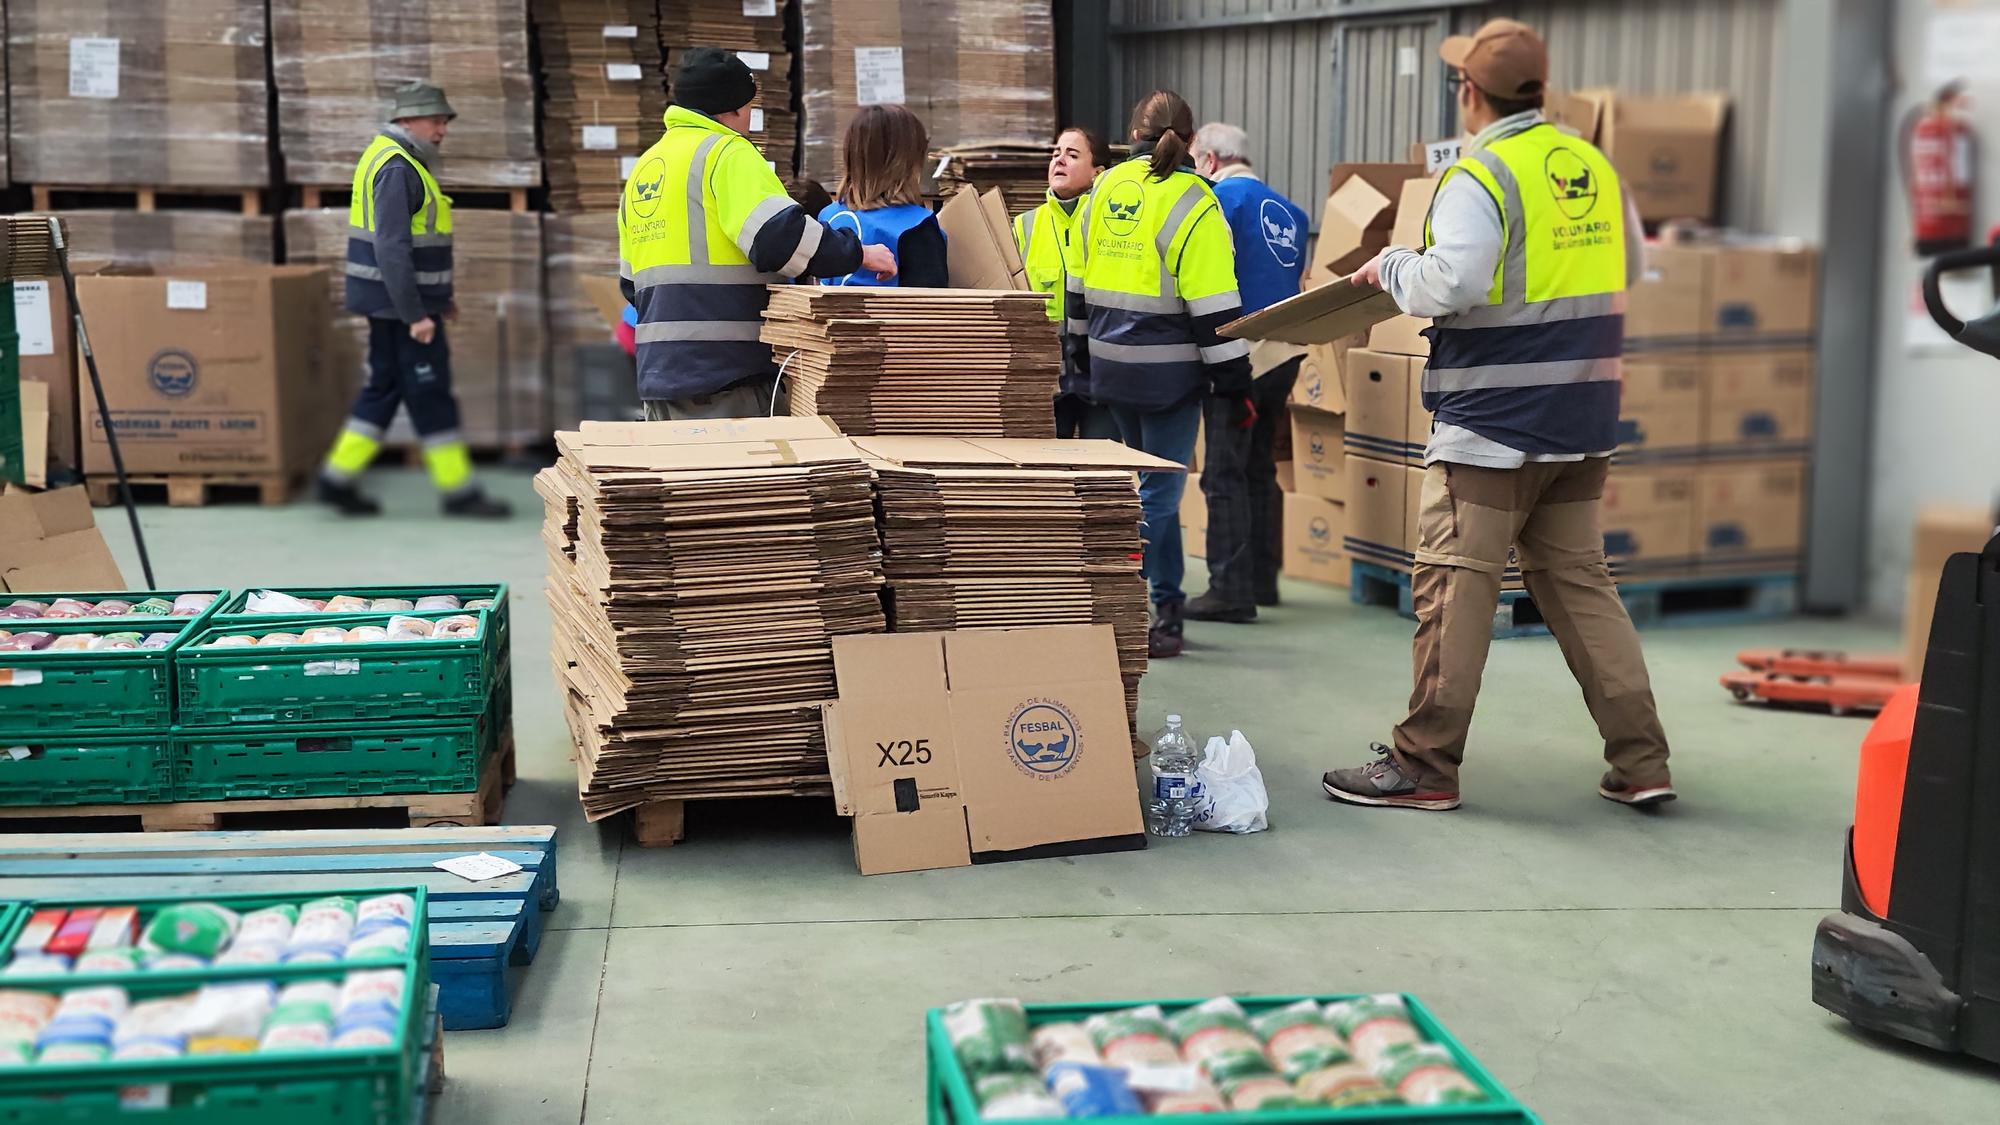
(1157, 278)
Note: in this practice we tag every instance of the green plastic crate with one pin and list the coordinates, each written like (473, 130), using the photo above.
(231, 609)
(111, 624)
(332, 761)
(107, 768)
(950, 1101)
(305, 1087)
(73, 692)
(385, 681)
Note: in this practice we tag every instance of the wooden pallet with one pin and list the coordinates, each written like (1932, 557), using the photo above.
(51, 197)
(421, 810)
(312, 197)
(1692, 600)
(477, 930)
(198, 490)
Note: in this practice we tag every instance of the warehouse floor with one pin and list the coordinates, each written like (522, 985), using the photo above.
(1607, 965)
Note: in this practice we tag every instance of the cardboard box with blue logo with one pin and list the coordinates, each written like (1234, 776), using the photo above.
(979, 745)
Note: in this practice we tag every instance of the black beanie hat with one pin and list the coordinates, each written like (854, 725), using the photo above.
(711, 80)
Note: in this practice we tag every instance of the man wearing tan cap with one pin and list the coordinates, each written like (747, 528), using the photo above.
(1528, 249)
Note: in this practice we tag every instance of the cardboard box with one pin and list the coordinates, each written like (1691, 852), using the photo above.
(1288, 476)
(1750, 516)
(1940, 533)
(1649, 520)
(1669, 305)
(1386, 418)
(1314, 530)
(954, 748)
(1660, 406)
(1322, 384)
(34, 398)
(1666, 150)
(1402, 335)
(1319, 454)
(1319, 315)
(212, 370)
(49, 542)
(1194, 519)
(1357, 218)
(1757, 402)
(977, 255)
(1764, 288)
(1377, 512)
(1577, 114)
(48, 357)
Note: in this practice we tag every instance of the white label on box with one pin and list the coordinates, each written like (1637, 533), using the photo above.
(627, 165)
(756, 120)
(1406, 62)
(93, 68)
(159, 1095)
(760, 7)
(187, 294)
(773, 164)
(20, 677)
(944, 162)
(32, 319)
(621, 31)
(878, 75)
(755, 60)
(345, 666)
(621, 71)
(1439, 155)
(478, 867)
(17, 753)
(598, 138)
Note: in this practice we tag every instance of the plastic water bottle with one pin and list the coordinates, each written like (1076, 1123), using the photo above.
(1170, 808)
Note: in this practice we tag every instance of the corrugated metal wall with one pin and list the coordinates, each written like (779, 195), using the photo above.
(1392, 86)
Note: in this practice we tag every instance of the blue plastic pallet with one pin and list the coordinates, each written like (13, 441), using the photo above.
(477, 929)
(1695, 600)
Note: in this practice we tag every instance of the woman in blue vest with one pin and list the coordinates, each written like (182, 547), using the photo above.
(881, 198)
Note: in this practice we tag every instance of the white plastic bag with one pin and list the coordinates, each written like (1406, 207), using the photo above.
(1233, 798)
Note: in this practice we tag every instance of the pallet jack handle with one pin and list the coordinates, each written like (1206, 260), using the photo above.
(1982, 334)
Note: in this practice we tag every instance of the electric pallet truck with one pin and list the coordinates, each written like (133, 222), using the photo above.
(1915, 949)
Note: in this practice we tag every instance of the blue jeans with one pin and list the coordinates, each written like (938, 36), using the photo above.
(1165, 433)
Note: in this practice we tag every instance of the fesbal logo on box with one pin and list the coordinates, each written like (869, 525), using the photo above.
(1043, 738)
(172, 372)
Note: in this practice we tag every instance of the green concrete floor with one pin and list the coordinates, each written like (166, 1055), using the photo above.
(1609, 966)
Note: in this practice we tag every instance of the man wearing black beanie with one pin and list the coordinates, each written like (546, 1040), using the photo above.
(703, 227)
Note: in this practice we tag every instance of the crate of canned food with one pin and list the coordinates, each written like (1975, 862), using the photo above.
(432, 664)
(1256, 1060)
(346, 601)
(239, 1009)
(72, 663)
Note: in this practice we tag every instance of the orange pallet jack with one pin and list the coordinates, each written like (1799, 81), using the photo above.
(1843, 683)
(1915, 950)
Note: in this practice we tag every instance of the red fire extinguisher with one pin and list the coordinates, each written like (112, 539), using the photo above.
(1938, 158)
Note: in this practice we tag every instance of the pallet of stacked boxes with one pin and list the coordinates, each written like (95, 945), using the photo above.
(755, 30)
(606, 93)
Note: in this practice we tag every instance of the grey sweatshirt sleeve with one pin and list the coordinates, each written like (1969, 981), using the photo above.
(1456, 273)
(397, 196)
(1635, 243)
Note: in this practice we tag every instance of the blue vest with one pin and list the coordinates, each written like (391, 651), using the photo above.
(881, 226)
(1270, 234)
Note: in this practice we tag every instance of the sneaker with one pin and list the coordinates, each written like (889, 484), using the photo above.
(1615, 788)
(474, 502)
(1382, 784)
(1208, 607)
(346, 499)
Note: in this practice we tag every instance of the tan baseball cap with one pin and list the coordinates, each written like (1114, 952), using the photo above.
(1504, 58)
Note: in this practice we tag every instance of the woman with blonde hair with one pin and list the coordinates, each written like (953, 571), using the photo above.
(881, 197)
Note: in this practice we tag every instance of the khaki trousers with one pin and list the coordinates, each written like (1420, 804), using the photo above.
(1549, 512)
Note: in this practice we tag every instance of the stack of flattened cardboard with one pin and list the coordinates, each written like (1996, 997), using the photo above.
(162, 239)
(606, 89)
(1020, 170)
(1011, 533)
(958, 362)
(712, 565)
(337, 64)
(755, 30)
(590, 375)
(139, 95)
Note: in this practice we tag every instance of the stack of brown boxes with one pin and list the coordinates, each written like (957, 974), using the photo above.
(589, 375)
(755, 30)
(606, 91)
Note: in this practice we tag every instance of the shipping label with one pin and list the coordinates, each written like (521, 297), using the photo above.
(878, 75)
(32, 319)
(93, 68)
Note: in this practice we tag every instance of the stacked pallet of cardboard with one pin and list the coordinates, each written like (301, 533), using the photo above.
(337, 63)
(698, 573)
(590, 376)
(162, 95)
(755, 30)
(604, 91)
(165, 238)
(958, 362)
(973, 70)
(499, 364)
(1008, 533)
(1019, 169)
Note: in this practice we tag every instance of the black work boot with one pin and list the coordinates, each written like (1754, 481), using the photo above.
(346, 499)
(475, 503)
(1208, 607)
(1163, 640)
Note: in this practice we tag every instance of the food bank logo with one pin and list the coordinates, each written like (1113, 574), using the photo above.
(1570, 181)
(1042, 738)
(1121, 207)
(1281, 232)
(172, 372)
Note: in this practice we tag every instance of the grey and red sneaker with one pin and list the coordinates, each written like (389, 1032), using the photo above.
(1380, 783)
(1615, 788)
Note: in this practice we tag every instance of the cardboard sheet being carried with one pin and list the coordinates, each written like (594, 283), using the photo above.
(1316, 316)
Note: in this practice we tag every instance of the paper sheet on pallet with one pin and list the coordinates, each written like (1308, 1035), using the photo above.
(1317, 316)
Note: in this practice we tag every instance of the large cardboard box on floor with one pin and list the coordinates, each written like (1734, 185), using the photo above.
(1313, 535)
(1763, 288)
(1377, 512)
(1319, 454)
(1666, 150)
(1648, 519)
(1660, 406)
(49, 541)
(1669, 305)
(1757, 403)
(1386, 418)
(1940, 533)
(217, 370)
(1194, 518)
(1750, 516)
(956, 748)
